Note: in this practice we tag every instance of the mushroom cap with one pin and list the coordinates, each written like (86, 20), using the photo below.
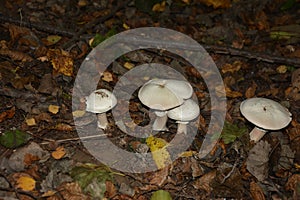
(156, 95)
(100, 101)
(265, 113)
(180, 88)
(188, 111)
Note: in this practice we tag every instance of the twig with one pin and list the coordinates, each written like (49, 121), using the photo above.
(73, 139)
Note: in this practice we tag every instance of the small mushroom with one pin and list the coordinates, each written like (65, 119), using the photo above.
(100, 101)
(266, 114)
(162, 95)
(188, 111)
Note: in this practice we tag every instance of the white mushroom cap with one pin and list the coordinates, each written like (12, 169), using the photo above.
(100, 101)
(180, 88)
(188, 111)
(156, 95)
(265, 113)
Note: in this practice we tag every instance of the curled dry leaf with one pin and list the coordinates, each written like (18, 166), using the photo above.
(61, 60)
(16, 55)
(8, 114)
(293, 184)
(72, 191)
(257, 161)
(203, 183)
(256, 191)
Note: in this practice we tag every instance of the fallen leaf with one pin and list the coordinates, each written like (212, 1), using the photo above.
(63, 127)
(159, 177)
(216, 3)
(232, 94)
(161, 195)
(159, 7)
(107, 76)
(26, 183)
(72, 191)
(282, 69)
(159, 152)
(256, 191)
(58, 153)
(203, 183)
(62, 61)
(54, 109)
(8, 114)
(14, 138)
(250, 92)
(30, 121)
(128, 65)
(293, 184)
(29, 159)
(236, 66)
(78, 113)
(51, 40)
(257, 161)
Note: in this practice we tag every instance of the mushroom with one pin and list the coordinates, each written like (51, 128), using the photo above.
(162, 95)
(188, 111)
(100, 101)
(266, 114)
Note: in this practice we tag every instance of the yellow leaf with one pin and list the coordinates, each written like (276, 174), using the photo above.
(53, 39)
(61, 60)
(26, 183)
(107, 76)
(78, 113)
(159, 152)
(281, 69)
(128, 65)
(126, 26)
(30, 122)
(159, 7)
(58, 153)
(53, 109)
(188, 153)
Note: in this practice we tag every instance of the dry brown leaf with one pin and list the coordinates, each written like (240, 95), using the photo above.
(63, 127)
(256, 191)
(72, 191)
(232, 94)
(281, 69)
(8, 114)
(293, 185)
(111, 190)
(236, 66)
(216, 3)
(59, 153)
(250, 92)
(29, 159)
(203, 183)
(16, 55)
(159, 177)
(62, 61)
(257, 161)
(159, 7)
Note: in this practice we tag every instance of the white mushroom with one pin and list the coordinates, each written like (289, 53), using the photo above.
(100, 101)
(188, 111)
(162, 95)
(266, 114)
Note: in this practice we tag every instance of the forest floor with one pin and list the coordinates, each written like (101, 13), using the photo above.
(47, 136)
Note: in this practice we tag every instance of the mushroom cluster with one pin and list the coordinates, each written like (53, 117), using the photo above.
(169, 98)
(266, 114)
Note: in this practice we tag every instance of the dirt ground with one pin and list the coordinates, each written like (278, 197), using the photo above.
(46, 133)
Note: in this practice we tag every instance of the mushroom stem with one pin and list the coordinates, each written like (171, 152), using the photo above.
(102, 120)
(160, 122)
(256, 134)
(182, 128)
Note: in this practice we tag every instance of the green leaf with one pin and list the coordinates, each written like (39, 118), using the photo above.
(14, 138)
(231, 132)
(100, 38)
(92, 178)
(288, 4)
(161, 195)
